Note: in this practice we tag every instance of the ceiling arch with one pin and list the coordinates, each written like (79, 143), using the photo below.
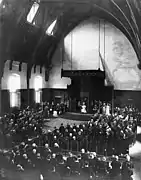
(28, 43)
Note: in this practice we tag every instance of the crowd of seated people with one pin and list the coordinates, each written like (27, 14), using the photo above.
(28, 122)
(110, 131)
(102, 107)
(52, 108)
(104, 135)
(30, 155)
(22, 125)
(122, 110)
(115, 132)
(129, 110)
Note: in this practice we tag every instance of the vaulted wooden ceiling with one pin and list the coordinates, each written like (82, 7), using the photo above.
(25, 42)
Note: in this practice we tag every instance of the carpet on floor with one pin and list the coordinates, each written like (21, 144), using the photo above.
(76, 116)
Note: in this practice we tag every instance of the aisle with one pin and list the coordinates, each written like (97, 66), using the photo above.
(76, 116)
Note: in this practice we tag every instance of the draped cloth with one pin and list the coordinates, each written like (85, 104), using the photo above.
(83, 109)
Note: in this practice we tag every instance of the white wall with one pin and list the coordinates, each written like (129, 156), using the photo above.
(120, 58)
(37, 73)
(7, 73)
(55, 80)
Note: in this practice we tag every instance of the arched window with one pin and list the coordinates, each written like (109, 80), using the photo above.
(14, 84)
(38, 85)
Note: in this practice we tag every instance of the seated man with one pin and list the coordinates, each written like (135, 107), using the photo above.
(53, 162)
(56, 148)
(74, 144)
(26, 163)
(61, 166)
(70, 162)
(116, 167)
(62, 129)
(75, 168)
(127, 169)
(92, 163)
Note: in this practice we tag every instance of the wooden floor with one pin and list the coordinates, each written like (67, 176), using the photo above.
(135, 151)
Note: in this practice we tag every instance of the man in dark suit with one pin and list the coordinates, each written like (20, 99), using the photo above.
(116, 167)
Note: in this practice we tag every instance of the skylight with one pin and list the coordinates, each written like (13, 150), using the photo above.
(1, 1)
(49, 31)
(32, 12)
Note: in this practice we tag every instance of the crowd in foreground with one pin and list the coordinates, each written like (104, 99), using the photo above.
(92, 166)
(68, 149)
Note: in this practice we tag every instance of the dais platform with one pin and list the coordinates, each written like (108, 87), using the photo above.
(76, 116)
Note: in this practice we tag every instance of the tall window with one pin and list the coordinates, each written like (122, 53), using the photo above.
(14, 85)
(38, 85)
(32, 12)
(50, 29)
(1, 2)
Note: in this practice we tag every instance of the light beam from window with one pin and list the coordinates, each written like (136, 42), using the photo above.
(38, 85)
(49, 30)
(1, 2)
(38, 96)
(14, 84)
(32, 12)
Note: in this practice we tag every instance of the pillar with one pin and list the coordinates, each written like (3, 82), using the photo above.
(1, 74)
(2, 137)
(0, 99)
(28, 84)
(28, 92)
(113, 100)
